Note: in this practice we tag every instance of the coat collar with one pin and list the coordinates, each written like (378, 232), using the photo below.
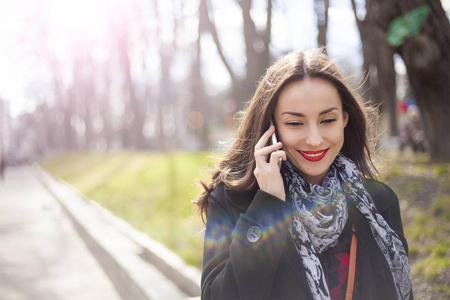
(239, 200)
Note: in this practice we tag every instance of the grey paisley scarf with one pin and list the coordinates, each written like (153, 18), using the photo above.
(320, 216)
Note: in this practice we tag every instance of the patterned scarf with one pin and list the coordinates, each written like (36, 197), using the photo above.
(320, 216)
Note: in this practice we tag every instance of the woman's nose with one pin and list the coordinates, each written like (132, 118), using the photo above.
(314, 138)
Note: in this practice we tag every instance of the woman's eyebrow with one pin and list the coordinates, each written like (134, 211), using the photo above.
(297, 114)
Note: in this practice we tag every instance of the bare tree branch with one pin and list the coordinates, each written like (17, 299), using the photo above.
(211, 27)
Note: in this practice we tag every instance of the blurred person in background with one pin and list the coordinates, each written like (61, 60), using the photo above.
(411, 128)
(302, 217)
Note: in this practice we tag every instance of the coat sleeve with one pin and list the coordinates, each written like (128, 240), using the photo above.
(241, 253)
(393, 217)
(387, 204)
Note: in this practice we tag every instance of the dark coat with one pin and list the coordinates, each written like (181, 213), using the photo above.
(250, 254)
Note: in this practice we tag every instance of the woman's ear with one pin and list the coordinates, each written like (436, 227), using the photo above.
(345, 118)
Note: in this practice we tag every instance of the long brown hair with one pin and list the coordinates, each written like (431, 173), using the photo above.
(235, 168)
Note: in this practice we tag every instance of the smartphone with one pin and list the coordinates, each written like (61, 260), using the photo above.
(273, 138)
(273, 141)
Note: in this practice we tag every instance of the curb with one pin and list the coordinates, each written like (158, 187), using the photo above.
(138, 266)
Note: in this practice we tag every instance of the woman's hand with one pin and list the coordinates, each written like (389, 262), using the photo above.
(268, 173)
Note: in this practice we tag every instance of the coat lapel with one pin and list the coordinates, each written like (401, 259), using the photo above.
(296, 264)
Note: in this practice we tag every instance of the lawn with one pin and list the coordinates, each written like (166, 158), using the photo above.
(154, 193)
(424, 193)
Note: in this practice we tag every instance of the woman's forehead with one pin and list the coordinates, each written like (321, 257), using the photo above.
(309, 94)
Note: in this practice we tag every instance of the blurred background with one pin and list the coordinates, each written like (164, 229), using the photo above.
(127, 99)
(166, 75)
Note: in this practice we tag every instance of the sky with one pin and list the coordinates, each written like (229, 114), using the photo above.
(19, 70)
(13, 72)
(294, 29)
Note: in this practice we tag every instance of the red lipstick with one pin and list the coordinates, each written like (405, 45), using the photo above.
(314, 155)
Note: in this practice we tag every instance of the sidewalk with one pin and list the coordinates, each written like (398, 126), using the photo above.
(41, 254)
(55, 244)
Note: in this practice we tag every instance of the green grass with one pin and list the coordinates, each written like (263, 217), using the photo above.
(151, 191)
(424, 193)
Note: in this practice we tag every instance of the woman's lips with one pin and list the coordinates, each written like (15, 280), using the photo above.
(314, 155)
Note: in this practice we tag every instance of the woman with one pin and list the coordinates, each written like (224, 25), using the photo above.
(287, 233)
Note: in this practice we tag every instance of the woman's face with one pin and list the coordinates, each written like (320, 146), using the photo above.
(310, 123)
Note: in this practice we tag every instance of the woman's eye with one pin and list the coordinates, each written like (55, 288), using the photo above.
(294, 123)
(328, 121)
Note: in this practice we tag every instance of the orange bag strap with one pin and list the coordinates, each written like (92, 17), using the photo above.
(351, 267)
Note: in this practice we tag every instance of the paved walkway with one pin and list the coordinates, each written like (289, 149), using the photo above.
(41, 254)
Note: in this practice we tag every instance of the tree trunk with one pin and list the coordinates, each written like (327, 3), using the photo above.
(387, 87)
(431, 90)
(107, 132)
(133, 119)
(167, 140)
(199, 103)
(321, 7)
(256, 49)
(427, 60)
(380, 88)
(65, 104)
